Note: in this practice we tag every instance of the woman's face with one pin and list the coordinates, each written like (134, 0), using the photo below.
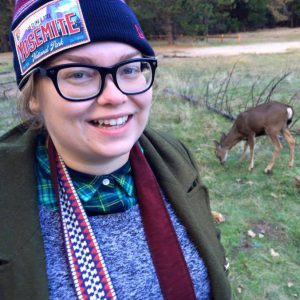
(93, 136)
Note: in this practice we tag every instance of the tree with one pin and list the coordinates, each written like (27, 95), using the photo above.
(6, 11)
(279, 9)
(295, 13)
(220, 21)
(160, 14)
(192, 17)
(197, 17)
(257, 17)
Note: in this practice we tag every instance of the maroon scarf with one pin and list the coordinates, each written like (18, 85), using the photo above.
(170, 265)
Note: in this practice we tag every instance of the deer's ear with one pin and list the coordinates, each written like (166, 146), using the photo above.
(223, 136)
(216, 143)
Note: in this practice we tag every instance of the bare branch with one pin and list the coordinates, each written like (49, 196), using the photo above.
(275, 85)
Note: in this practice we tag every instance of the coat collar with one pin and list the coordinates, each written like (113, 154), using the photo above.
(21, 241)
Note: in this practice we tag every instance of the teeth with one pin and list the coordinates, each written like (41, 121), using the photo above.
(112, 122)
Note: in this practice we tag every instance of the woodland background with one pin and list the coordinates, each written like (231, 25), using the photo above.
(171, 18)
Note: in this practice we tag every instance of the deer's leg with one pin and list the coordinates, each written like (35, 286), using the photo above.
(291, 141)
(277, 146)
(244, 151)
(251, 142)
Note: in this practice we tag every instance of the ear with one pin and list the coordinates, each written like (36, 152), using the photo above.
(223, 136)
(34, 105)
(216, 143)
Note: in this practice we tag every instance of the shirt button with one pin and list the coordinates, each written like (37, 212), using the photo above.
(106, 181)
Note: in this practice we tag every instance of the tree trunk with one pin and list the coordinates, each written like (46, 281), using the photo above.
(4, 44)
(169, 30)
(6, 8)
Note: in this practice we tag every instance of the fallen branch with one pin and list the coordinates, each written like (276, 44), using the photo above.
(195, 101)
(188, 98)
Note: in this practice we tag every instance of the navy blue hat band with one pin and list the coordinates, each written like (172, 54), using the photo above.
(43, 28)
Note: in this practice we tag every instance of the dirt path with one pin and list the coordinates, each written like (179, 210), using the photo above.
(175, 51)
(5, 57)
(260, 48)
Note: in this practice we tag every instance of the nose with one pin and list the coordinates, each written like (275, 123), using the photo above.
(110, 93)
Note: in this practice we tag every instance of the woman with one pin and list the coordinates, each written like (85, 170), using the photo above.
(93, 205)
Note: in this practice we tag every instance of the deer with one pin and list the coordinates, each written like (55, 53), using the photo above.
(267, 119)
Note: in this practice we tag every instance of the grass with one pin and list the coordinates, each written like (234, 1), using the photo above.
(267, 205)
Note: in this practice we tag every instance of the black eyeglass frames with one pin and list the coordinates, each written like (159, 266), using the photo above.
(81, 82)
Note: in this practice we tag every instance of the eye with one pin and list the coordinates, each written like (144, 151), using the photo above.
(130, 70)
(78, 75)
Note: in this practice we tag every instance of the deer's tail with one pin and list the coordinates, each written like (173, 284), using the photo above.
(290, 112)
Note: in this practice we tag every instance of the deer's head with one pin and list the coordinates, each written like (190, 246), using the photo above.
(221, 151)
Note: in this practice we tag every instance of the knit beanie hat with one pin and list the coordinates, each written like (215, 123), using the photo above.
(43, 28)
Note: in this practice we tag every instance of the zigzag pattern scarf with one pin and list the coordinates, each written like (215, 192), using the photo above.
(89, 273)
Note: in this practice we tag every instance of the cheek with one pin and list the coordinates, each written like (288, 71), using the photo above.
(57, 112)
(61, 110)
(144, 101)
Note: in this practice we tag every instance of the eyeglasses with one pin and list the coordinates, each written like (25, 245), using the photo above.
(81, 82)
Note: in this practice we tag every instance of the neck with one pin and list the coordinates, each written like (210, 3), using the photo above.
(230, 140)
(99, 166)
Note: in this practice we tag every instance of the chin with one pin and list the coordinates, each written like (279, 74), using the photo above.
(116, 150)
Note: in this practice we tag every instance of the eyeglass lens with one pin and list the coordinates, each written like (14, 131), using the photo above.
(83, 82)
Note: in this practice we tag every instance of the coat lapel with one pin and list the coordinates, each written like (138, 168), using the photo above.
(177, 175)
(21, 245)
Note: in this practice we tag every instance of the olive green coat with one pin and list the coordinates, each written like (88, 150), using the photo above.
(22, 262)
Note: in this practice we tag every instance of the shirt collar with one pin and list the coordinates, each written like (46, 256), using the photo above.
(87, 185)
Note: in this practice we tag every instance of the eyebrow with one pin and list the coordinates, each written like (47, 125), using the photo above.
(72, 58)
(130, 55)
(88, 60)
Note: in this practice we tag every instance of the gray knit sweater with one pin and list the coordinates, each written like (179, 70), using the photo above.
(122, 242)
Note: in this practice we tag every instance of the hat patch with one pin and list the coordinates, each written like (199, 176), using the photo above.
(53, 27)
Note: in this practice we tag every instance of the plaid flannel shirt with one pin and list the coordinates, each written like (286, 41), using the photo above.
(104, 194)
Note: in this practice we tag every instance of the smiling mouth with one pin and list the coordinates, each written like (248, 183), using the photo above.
(111, 123)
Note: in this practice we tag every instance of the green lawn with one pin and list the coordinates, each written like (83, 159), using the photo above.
(269, 205)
